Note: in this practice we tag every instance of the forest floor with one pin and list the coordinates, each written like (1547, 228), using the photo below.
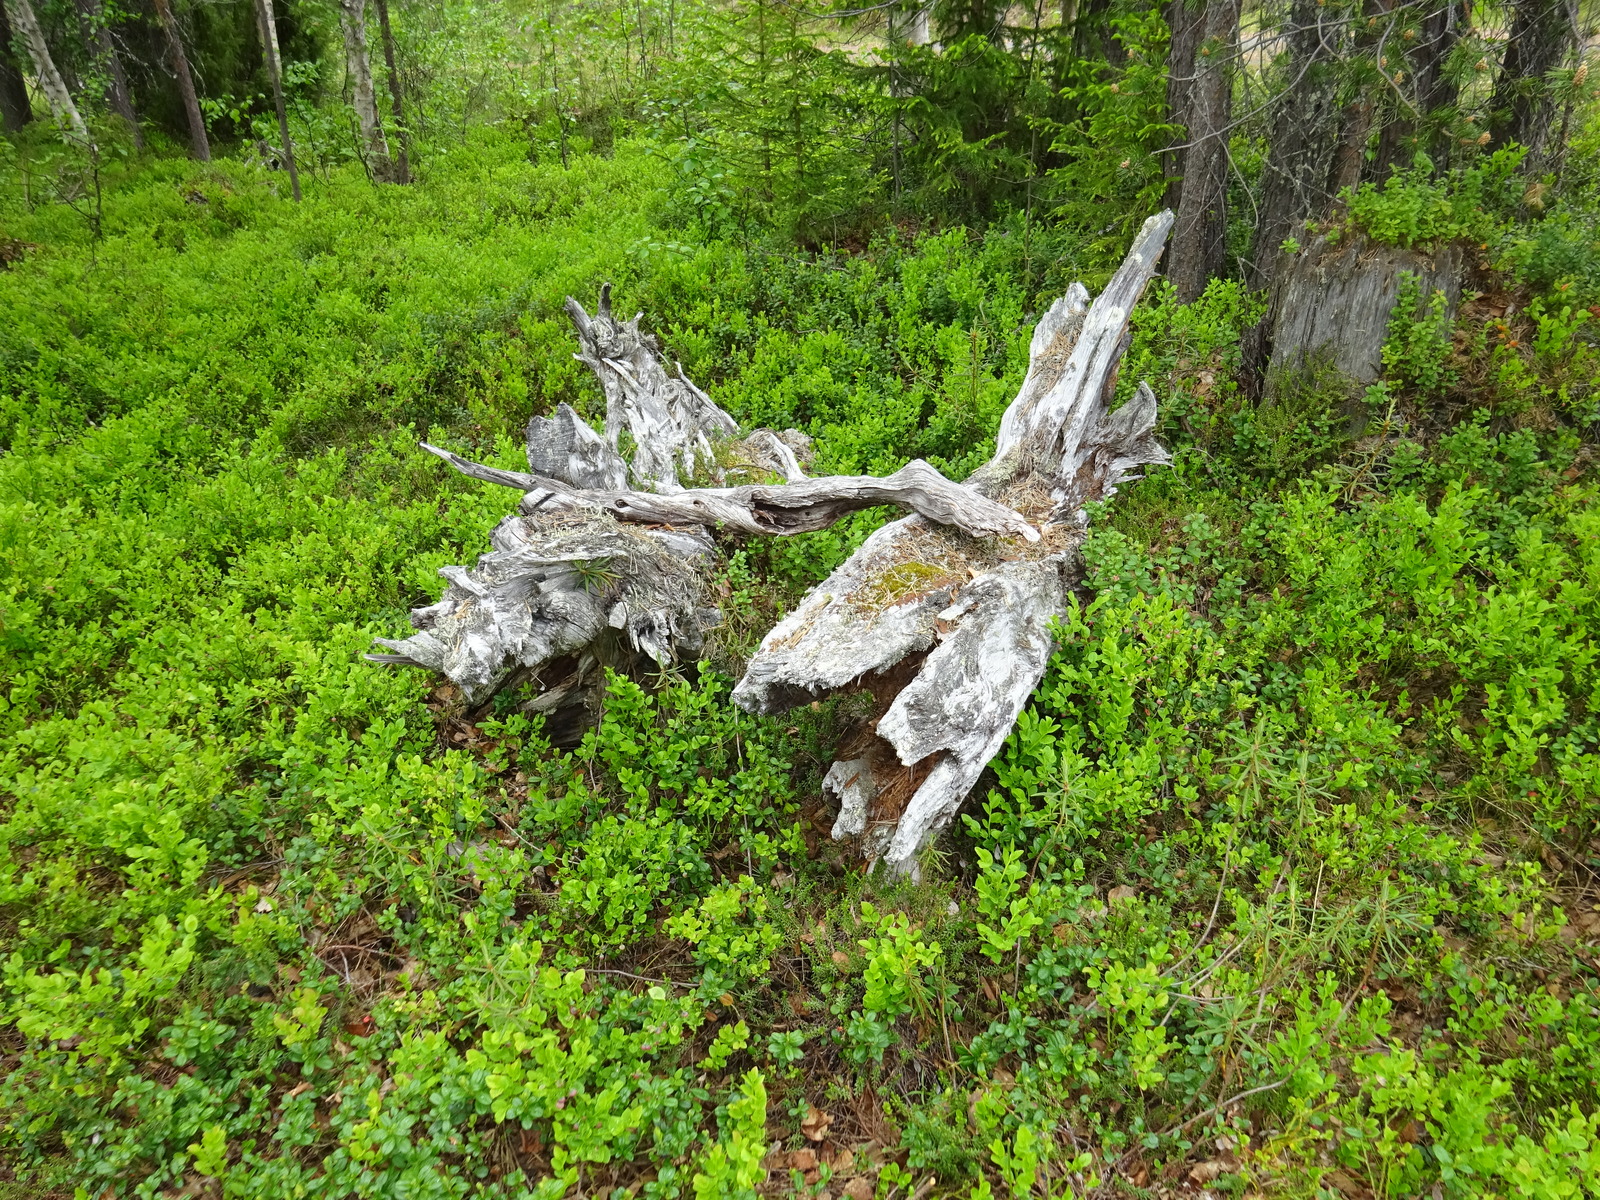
(1287, 882)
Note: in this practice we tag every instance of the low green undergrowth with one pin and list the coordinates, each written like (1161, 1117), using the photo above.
(1283, 881)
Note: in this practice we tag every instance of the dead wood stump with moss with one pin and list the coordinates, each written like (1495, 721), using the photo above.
(943, 616)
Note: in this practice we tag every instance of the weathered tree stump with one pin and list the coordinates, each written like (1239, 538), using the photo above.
(1338, 299)
(943, 616)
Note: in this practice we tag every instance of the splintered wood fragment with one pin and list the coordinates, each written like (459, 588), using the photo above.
(564, 447)
(673, 422)
(972, 617)
(1064, 414)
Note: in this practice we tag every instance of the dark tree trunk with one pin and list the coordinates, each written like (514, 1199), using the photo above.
(15, 108)
(1439, 93)
(269, 51)
(1350, 154)
(1542, 33)
(1185, 21)
(402, 165)
(1361, 102)
(1199, 237)
(1425, 85)
(103, 50)
(178, 59)
(1304, 127)
(1092, 36)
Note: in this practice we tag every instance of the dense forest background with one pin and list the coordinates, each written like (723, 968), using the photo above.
(1287, 882)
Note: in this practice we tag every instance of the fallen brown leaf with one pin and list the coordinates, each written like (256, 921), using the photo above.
(815, 1125)
(1204, 1172)
(1347, 1186)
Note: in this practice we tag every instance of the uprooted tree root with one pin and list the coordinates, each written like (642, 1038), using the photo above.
(943, 615)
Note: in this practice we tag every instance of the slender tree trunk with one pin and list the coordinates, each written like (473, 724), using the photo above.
(1422, 80)
(1350, 154)
(50, 80)
(103, 49)
(1541, 37)
(402, 168)
(15, 108)
(1093, 39)
(1305, 123)
(1441, 93)
(555, 86)
(269, 50)
(353, 19)
(1199, 244)
(1360, 106)
(1185, 21)
(178, 59)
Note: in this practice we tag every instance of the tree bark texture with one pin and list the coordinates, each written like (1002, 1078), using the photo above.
(1093, 38)
(266, 19)
(1199, 238)
(1415, 64)
(944, 615)
(374, 146)
(51, 83)
(103, 52)
(15, 108)
(1305, 120)
(402, 162)
(1185, 21)
(1338, 299)
(178, 59)
(1541, 37)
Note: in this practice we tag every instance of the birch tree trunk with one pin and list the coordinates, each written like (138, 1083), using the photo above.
(103, 49)
(402, 166)
(178, 58)
(51, 83)
(375, 147)
(267, 20)
(15, 109)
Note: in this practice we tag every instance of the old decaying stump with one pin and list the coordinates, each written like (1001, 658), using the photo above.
(1338, 299)
(942, 616)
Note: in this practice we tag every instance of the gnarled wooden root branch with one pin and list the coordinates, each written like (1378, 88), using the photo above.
(803, 506)
(556, 585)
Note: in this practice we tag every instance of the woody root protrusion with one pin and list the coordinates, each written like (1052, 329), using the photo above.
(942, 616)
